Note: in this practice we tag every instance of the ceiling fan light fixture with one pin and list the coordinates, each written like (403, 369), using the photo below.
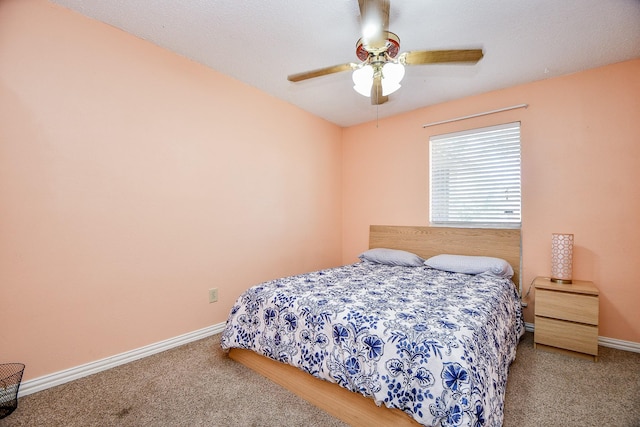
(363, 80)
(392, 74)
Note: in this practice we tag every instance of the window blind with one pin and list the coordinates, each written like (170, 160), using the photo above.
(475, 177)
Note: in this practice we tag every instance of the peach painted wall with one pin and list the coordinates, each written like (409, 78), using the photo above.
(580, 174)
(133, 180)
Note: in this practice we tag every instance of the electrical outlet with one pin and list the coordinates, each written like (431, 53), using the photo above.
(213, 295)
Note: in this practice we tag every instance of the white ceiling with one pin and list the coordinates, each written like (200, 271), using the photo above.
(260, 42)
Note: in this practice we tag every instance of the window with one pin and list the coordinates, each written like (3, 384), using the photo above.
(475, 177)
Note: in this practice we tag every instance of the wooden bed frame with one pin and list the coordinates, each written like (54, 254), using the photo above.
(354, 408)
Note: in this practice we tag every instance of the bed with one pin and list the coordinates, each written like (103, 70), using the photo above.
(386, 344)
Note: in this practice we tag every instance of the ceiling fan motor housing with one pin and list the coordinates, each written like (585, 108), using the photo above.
(392, 47)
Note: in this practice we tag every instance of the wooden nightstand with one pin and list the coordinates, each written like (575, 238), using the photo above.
(566, 317)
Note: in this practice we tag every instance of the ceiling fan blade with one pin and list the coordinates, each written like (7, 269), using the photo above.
(376, 92)
(418, 57)
(374, 21)
(321, 72)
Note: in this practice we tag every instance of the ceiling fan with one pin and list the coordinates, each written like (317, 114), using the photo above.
(381, 68)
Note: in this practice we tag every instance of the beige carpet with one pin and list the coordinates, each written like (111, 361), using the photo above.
(197, 385)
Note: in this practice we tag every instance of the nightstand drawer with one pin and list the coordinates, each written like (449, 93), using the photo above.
(567, 306)
(567, 335)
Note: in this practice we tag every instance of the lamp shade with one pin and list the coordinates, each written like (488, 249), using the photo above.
(363, 80)
(561, 258)
(392, 74)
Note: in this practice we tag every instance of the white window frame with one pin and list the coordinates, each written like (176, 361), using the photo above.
(475, 178)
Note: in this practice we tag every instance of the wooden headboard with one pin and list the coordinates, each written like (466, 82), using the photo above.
(430, 241)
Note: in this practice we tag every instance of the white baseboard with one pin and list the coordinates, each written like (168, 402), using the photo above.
(61, 377)
(529, 327)
(619, 344)
(603, 341)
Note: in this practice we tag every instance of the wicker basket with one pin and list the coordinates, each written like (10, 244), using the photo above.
(10, 377)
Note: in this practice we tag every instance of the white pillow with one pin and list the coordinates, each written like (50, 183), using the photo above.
(392, 257)
(471, 264)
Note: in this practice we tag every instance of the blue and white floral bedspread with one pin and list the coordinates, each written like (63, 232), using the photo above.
(434, 344)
